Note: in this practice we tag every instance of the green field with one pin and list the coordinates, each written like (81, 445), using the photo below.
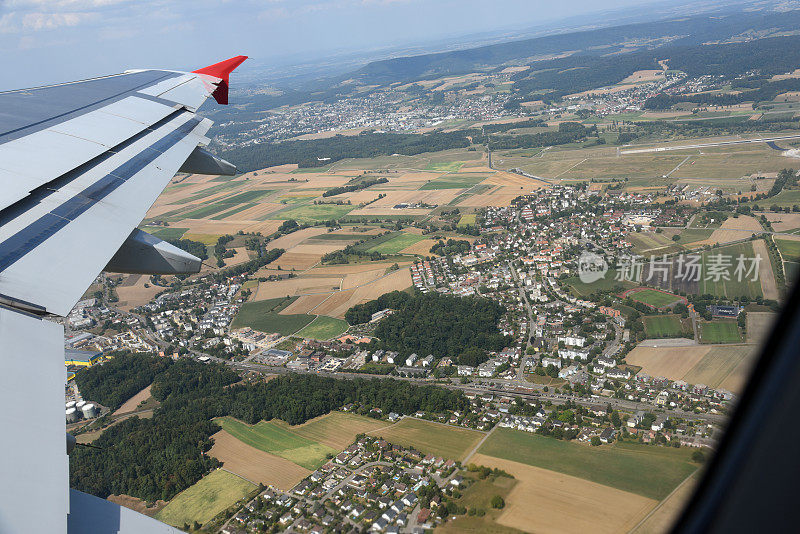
(654, 298)
(719, 332)
(690, 235)
(607, 283)
(339, 237)
(262, 315)
(168, 233)
(278, 440)
(732, 287)
(467, 218)
(323, 328)
(659, 326)
(396, 243)
(646, 470)
(207, 192)
(314, 212)
(431, 438)
(226, 214)
(790, 250)
(455, 181)
(446, 166)
(209, 496)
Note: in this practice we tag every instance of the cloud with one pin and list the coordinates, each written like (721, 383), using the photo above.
(50, 21)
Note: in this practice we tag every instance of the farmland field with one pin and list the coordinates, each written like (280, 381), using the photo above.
(314, 213)
(718, 367)
(467, 218)
(209, 496)
(168, 232)
(264, 316)
(548, 501)
(657, 299)
(336, 429)
(431, 438)
(719, 332)
(651, 472)
(661, 326)
(479, 495)
(278, 440)
(790, 249)
(396, 243)
(323, 328)
(607, 283)
(455, 181)
(732, 287)
(255, 465)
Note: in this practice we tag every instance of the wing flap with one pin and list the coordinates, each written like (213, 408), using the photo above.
(54, 251)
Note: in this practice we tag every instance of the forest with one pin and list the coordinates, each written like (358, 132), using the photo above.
(320, 152)
(159, 457)
(452, 246)
(119, 378)
(369, 182)
(442, 325)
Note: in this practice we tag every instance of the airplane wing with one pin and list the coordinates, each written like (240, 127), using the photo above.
(80, 165)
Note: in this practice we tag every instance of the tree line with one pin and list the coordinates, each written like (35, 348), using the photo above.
(369, 182)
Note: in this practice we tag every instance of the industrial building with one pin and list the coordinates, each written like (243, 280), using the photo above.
(82, 358)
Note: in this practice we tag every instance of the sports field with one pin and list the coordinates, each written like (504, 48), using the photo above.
(719, 331)
(431, 438)
(323, 328)
(657, 299)
(397, 243)
(336, 429)
(651, 472)
(209, 496)
(264, 316)
(664, 326)
(278, 440)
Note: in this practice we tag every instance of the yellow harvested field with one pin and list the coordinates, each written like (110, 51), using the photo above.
(340, 302)
(732, 229)
(295, 260)
(420, 247)
(295, 286)
(336, 429)
(759, 325)
(317, 248)
(670, 362)
(769, 286)
(351, 281)
(546, 501)
(254, 464)
(342, 270)
(304, 304)
(782, 222)
(131, 404)
(644, 76)
(661, 519)
(295, 238)
(726, 367)
(132, 292)
(210, 226)
(500, 197)
(242, 255)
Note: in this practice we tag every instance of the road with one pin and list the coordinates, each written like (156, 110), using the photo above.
(524, 296)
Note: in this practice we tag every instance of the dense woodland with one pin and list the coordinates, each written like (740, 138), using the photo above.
(119, 379)
(320, 152)
(195, 248)
(452, 246)
(159, 457)
(369, 182)
(432, 323)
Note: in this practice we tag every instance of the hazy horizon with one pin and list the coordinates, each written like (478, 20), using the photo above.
(53, 41)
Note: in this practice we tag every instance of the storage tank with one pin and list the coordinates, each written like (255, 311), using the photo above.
(80, 404)
(72, 415)
(70, 404)
(89, 411)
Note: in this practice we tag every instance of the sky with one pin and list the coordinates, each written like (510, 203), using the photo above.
(51, 41)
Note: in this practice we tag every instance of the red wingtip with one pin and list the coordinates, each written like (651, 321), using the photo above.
(222, 70)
